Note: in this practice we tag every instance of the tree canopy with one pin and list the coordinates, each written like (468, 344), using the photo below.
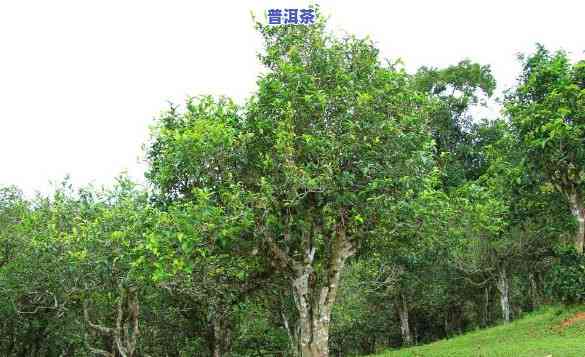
(346, 206)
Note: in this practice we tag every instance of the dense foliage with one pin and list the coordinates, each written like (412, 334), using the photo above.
(566, 279)
(346, 207)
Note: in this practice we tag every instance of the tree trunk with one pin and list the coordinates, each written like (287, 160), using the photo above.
(446, 325)
(216, 344)
(292, 335)
(314, 301)
(126, 332)
(578, 212)
(486, 306)
(534, 296)
(504, 289)
(218, 328)
(314, 304)
(314, 326)
(404, 324)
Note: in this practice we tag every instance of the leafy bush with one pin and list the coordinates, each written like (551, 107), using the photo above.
(566, 279)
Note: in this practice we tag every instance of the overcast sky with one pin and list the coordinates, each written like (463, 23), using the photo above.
(81, 81)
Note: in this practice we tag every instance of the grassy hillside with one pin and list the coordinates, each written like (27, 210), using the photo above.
(552, 331)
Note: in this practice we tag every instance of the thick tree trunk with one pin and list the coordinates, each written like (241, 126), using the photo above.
(314, 326)
(504, 289)
(314, 304)
(578, 212)
(404, 323)
(314, 301)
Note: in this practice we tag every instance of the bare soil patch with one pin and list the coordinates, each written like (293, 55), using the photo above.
(580, 316)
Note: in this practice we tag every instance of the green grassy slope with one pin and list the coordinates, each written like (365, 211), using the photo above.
(552, 331)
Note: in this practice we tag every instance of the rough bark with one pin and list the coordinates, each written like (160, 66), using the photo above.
(504, 289)
(314, 303)
(312, 331)
(578, 211)
(404, 323)
(125, 333)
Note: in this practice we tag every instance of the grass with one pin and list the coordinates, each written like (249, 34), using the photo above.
(544, 333)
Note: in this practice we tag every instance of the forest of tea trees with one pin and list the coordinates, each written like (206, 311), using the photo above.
(347, 207)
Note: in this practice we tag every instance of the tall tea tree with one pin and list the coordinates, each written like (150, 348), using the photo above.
(457, 89)
(331, 144)
(548, 111)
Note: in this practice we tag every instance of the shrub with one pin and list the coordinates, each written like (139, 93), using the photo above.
(566, 279)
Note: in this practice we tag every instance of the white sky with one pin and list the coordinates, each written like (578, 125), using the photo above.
(81, 81)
